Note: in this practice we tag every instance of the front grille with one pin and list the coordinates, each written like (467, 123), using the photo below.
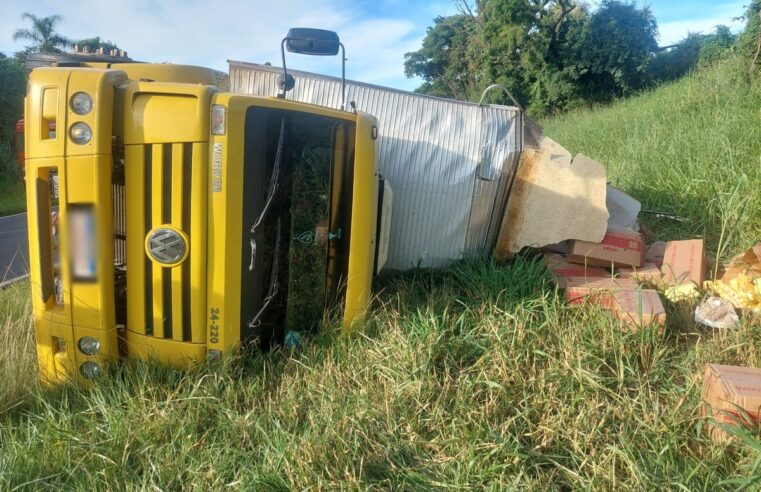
(120, 222)
(164, 187)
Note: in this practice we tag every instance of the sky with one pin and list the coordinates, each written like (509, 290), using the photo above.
(376, 33)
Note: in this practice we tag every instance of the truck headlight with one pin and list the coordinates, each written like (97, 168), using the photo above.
(217, 119)
(80, 133)
(89, 345)
(90, 370)
(81, 103)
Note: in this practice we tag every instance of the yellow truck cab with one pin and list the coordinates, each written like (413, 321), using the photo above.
(189, 220)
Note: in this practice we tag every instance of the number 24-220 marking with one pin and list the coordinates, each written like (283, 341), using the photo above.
(213, 326)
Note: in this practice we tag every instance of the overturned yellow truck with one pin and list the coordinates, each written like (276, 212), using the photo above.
(170, 219)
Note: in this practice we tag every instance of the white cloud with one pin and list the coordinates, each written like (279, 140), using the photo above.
(675, 31)
(205, 33)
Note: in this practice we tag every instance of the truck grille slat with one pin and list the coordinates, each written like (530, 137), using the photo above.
(187, 177)
(147, 223)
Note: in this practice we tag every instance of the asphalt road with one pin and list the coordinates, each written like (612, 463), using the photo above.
(14, 248)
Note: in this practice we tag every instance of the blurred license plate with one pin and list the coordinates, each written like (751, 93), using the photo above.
(82, 247)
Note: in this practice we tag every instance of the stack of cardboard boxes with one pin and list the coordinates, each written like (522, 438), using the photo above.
(621, 274)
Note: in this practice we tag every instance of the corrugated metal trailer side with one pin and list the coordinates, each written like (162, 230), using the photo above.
(450, 163)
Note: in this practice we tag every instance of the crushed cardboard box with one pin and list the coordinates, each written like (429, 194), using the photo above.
(618, 247)
(600, 291)
(684, 269)
(683, 262)
(654, 253)
(730, 394)
(639, 307)
(553, 198)
(646, 273)
(561, 270)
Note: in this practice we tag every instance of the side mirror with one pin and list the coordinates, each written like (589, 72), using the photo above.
(306, 41)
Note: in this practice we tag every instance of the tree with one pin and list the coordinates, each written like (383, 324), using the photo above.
(619, 48)
(443, 60)
(42, 34)
(521, 44)
(551, 54)
(13, 82)
(94, 43)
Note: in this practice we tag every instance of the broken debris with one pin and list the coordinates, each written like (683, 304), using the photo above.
(740, 283)
(716, 312)
(554, 198)
(622, 209)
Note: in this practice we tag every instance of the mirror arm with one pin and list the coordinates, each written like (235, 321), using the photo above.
(343, 76)
(281, 92)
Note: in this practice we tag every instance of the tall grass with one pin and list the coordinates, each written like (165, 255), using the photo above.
(478, 377)
(18, 367)
(692, 148)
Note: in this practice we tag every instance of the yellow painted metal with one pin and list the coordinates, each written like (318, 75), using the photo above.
(134, 171)
(46, 89)
(225, 228)
(83, 307)
(364, 215)
(162, 112)
(168, 351)
(152, 118)
(170, 145)
(198, 241)
(89, 183)
(169, 72)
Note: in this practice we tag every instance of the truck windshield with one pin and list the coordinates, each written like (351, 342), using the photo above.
(296, 215)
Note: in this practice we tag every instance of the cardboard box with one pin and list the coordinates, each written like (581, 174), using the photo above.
(647, 272)
(600, 291)
(684, 262)
(621, 248)
(561, 270)
(639, 307)
(654, 253)
(725, 388)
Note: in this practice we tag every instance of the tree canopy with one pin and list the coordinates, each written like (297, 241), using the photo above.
(551, 54)
(42, 34)
(94, 43)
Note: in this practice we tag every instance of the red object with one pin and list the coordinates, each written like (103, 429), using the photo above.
(622, 248)
(20, 143)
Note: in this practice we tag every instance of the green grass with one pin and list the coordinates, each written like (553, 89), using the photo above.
(692, 148)
(479, 377)
(12, 197)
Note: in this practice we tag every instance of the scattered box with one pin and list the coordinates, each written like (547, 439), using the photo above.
(561, 270)
(639, 307)
(684, 262)
(647, 272)
(726, 390)
(600, 291)
(654, 253)
(619, 247)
